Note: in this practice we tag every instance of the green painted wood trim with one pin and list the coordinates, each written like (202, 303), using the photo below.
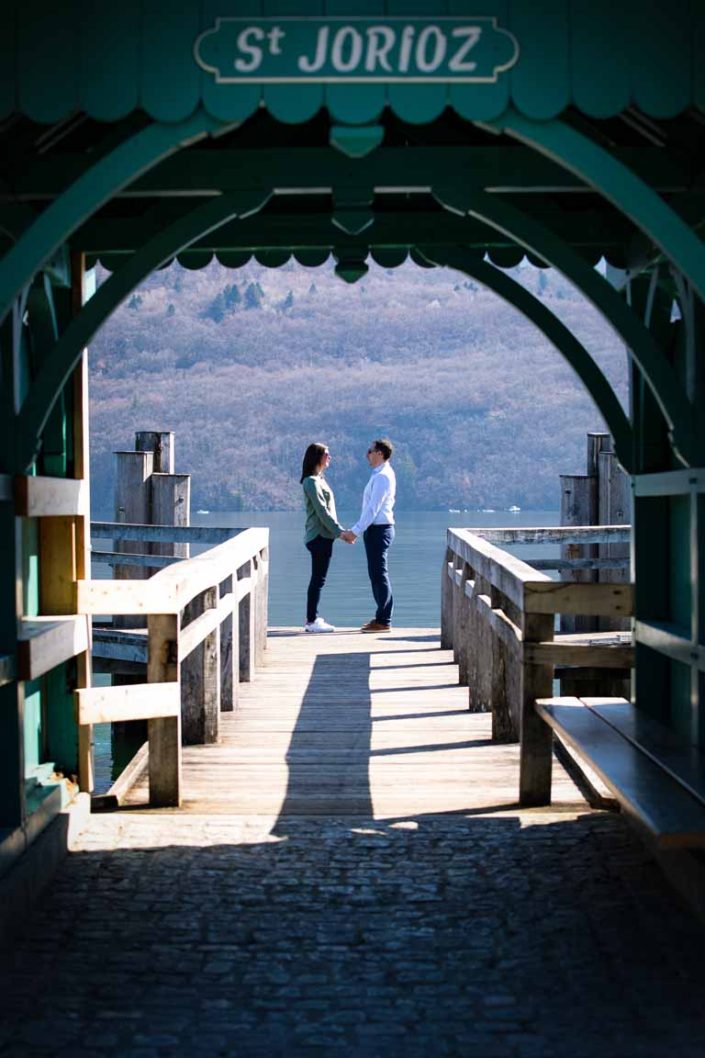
(114, 171)
(644, 349)
(67, 351)
(557, 333)
(612, 178)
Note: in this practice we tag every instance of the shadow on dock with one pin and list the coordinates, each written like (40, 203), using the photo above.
(323, 776)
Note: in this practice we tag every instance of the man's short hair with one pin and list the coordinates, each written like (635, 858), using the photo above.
(385, 446)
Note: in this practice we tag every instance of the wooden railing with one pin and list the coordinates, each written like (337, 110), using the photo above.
(498, 614)
(206, 629)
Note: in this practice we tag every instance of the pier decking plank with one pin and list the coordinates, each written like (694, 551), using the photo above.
(349, 724)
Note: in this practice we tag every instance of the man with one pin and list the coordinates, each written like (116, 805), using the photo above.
(377, 524)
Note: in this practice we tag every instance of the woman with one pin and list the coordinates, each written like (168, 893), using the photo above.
(322, 529)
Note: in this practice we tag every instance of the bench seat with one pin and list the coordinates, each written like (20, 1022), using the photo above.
(658, 780)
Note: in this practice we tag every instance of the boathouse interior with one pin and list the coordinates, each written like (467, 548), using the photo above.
(117, 148)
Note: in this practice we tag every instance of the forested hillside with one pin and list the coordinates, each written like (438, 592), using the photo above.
(248, 366)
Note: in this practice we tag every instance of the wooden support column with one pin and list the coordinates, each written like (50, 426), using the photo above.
(64, 558)
(614, 508)
(481, 684)
(463, 624)
(246, 636)
(578, 507)
(12, 800)
(83, 562)
(262, 597)
(447, 602)
(229, 652)
(161, 445)
(171, 505)
(536, 752)
(133, 506)
(200, 678)
(164, 733)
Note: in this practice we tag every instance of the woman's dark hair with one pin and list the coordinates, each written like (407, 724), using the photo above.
(313, 457)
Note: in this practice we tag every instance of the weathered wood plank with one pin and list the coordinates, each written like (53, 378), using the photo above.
(585, 655)
(536, 681)
(551, 597)
(41, 497)
(45, 642)
(135, 701)
(573, 534)
(196, 631)
(164, 733)
(351, 725)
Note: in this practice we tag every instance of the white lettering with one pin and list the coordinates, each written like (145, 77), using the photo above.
(315, 64)
(424, 64)
(380, 41)
(348, 39)
(407, 39)
(275, 37)
(244, 46)
(470, 35)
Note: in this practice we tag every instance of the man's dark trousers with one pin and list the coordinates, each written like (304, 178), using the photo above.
(378, 540)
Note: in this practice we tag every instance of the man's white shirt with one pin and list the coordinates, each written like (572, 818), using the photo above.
(377, 499)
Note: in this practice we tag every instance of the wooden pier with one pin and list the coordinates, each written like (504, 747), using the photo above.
(348, 724)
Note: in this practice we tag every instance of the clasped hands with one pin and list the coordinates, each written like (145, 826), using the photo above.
(348, 536)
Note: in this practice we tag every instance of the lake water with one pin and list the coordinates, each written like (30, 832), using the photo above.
(415, 562)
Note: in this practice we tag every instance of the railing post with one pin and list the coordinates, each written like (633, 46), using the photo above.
(481, 686)
(164, 733)
(536, 681)
(447, 591)
(200, 678)
(505, 719)
(263, 603)
(462, 624)
(247, 625)
(229, 664)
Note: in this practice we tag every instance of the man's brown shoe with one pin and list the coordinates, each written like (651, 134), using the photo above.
(375, 626)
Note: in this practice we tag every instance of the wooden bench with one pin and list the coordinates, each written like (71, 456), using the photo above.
(658, 780)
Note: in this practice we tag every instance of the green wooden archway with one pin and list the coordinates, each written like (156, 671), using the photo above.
(121, 146)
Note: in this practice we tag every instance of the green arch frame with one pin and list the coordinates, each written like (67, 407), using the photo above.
(645, 351)
(573, 351)
(634, 198)
(65, 354)
(95, 186)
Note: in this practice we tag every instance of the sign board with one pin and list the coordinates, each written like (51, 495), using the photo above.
(356, 50)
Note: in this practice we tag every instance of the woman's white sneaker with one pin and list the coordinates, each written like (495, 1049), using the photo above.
(319, 625)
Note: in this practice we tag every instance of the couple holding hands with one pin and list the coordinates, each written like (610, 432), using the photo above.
(375, 525)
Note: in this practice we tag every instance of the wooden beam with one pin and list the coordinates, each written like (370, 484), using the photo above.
(164, 732)
(502, 626)
(569, 534)
(503, 571)
(164, 534)
(583, 655)
(598, 599)
(135, 701)
(194, 633)
(41, 497)
(45, 642)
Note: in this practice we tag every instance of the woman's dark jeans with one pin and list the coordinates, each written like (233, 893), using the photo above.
(321, 552)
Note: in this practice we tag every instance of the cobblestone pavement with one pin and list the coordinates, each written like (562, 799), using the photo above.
(503, 935)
